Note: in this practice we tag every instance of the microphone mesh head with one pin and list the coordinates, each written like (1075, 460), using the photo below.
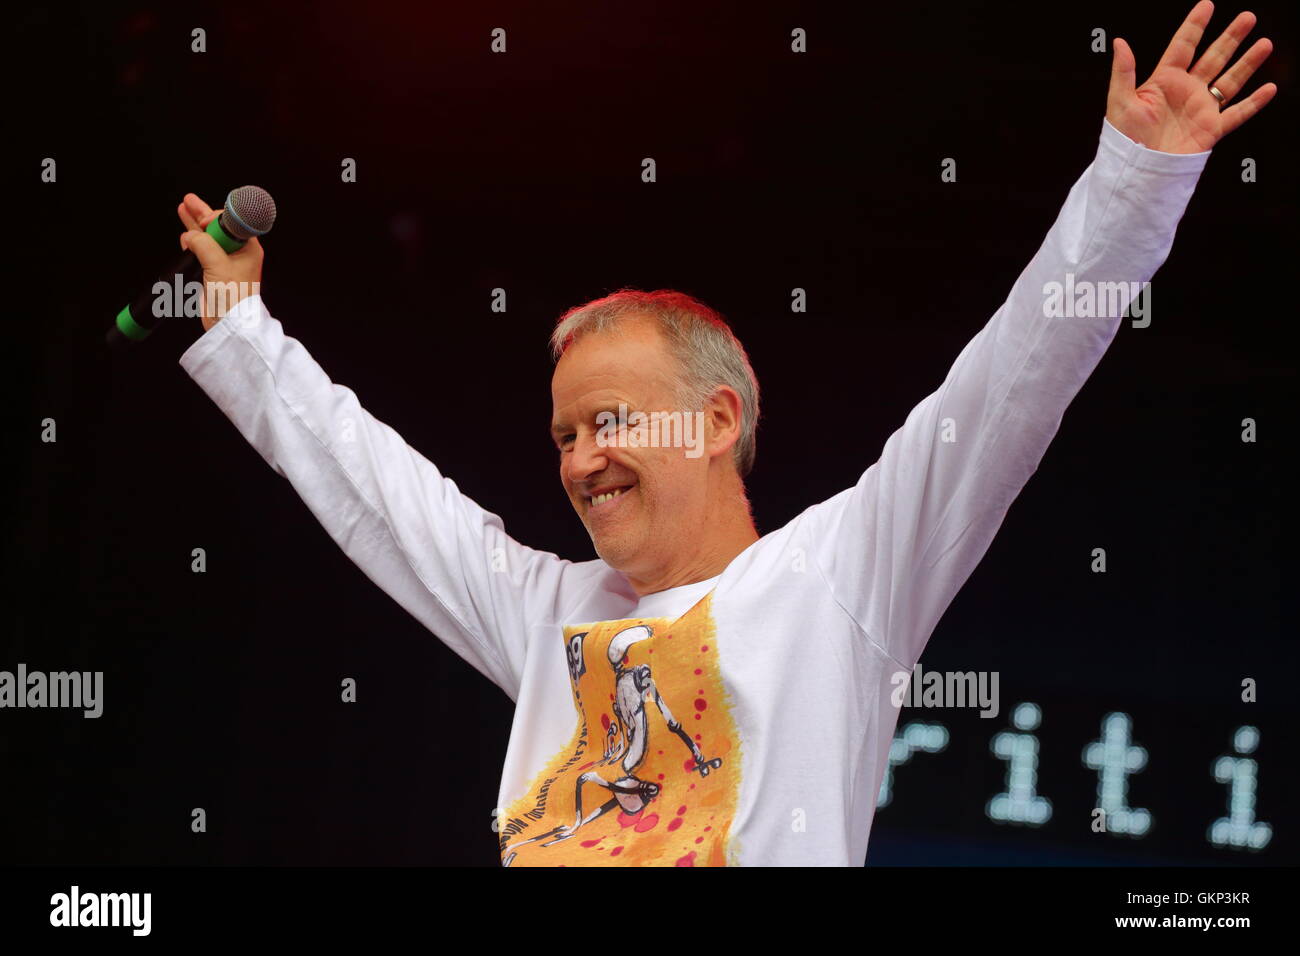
(250, 211)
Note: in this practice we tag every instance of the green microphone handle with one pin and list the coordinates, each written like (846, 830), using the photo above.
(139, 318)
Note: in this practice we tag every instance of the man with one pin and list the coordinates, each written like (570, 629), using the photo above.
(701, 695)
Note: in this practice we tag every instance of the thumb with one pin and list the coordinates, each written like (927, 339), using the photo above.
(1123, 71)
(210, 255)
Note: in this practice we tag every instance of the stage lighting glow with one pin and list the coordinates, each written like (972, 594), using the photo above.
(1240, 829)
(1019, 803)
(1114, 758)
(916, 736)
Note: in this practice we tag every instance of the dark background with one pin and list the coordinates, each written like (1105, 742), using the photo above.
(522, 171)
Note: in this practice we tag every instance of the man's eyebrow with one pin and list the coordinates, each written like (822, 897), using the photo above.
(612, 407)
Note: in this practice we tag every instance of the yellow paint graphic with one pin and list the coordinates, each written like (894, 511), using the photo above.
(651, 775)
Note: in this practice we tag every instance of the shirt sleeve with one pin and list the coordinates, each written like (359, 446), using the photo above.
(895, 548)
(432, 549)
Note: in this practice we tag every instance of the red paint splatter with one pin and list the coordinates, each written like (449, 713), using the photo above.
(626, 820)
(647, 823)
(674, 824)
(704, 648)
(681, 809)
(698, 671)
(616, 851)
(687, 860)
(590, 843)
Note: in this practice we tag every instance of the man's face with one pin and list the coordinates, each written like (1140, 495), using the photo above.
(660, 492)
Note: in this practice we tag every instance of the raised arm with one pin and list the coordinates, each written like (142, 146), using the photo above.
(897, 546)
(432, 549)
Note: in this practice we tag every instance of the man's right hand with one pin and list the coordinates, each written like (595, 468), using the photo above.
(227, 277)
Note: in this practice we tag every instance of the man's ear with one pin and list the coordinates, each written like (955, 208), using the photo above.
(723, 417)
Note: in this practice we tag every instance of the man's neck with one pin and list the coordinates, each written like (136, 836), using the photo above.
(708, 562)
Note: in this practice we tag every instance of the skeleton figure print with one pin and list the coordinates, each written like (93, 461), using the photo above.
(662, 789)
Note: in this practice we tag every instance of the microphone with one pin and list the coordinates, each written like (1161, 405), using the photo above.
(249, 211)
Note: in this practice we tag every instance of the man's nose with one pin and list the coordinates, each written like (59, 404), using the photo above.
(586, 458)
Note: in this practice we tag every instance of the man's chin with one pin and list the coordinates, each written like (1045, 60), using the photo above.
(617, 554)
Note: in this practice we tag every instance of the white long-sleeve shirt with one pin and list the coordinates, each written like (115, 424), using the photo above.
(746, 719)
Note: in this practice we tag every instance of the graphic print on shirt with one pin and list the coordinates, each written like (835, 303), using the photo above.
(651, 775)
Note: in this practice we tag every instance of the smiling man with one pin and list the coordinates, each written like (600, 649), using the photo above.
(660, 515)
(700, 694)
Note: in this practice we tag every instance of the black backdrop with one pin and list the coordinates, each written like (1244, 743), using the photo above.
(522, 171)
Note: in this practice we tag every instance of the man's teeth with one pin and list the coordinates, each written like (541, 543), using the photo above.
(608, 496)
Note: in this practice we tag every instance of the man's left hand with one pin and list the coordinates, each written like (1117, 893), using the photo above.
(1174, 111)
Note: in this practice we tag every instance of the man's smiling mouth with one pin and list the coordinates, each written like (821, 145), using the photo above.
(608, 495)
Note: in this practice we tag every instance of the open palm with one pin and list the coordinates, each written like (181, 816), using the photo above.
(1174, 111)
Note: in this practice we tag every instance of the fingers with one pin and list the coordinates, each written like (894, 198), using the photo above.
(202, 223)
(1183, 46)
(1123, 70)
(1230, 83)
(194, 213)
(1219, 52)
(187, 220)
(197, 207)
(1234, 116)
(205, 249)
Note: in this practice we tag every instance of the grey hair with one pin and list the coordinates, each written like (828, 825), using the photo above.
(707, 351)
